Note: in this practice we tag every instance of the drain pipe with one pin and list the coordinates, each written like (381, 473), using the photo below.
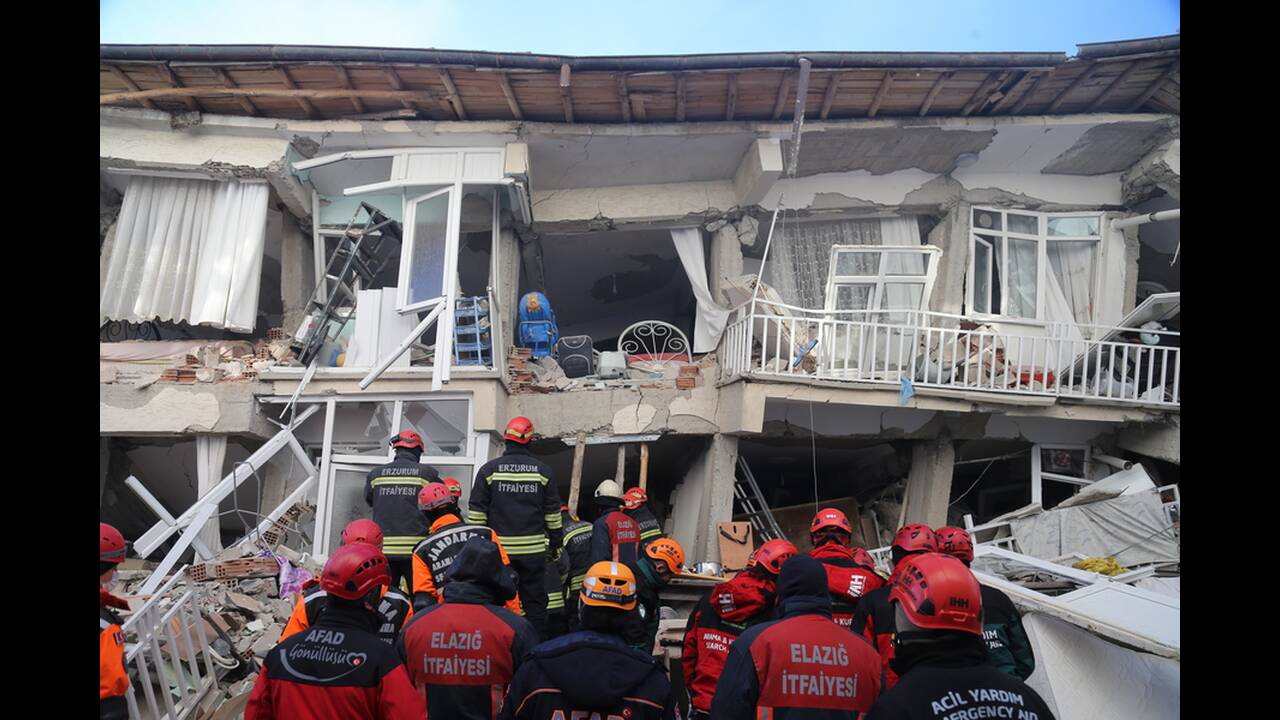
(1144, 219)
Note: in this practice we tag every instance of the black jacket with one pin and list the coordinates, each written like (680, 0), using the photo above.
(577, 545)
(462, 654)
(589, 672)
(391, 490)
(557, 581)
(952, 678)
(650, 528)
(516, 495)
(1007, 643)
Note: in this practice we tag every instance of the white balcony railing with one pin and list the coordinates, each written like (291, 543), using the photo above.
(938, 350)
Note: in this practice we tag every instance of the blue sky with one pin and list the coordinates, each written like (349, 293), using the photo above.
(617, 27)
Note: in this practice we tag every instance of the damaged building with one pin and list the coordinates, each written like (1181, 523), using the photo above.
(921, 287)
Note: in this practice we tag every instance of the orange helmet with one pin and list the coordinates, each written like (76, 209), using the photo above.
(455, 487)
(520, 429)
(915, 538)
(772, 555)
(611, 585)
(353, 570)
(955, 541)
(668, 551)
(407, 439)
(110, 544)
(634, 498)
(362, 531)
(937, 592)
(434, 496)
(830, 518)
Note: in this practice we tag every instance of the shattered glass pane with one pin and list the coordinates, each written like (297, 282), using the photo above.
(362, 428)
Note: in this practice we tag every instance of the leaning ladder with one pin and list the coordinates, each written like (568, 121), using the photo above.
(748, 495)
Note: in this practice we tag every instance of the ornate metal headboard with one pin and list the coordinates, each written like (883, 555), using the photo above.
(655, 343)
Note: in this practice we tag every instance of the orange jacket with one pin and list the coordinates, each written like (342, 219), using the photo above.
(424, 580)
(113, 679)
(395, 611)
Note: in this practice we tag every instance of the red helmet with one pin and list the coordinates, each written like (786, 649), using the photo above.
(110, 544)
(520, 429)
(433, 496)
(407, 439)
(915, 537)
(772, 555)
(830, 518)
(362, 531)
(455, 487)
(937, 592)
(863, 558)
(353, 570)
(634, 498)
(955, 541)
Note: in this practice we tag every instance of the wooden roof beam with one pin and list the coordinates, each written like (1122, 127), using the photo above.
(566, 94)
(979, 95)
(639, 110)
(1119, 80)
(505, 83)
(731, 100)
(829, 96)
(1151, 90)
(172, 77)
(881, 91)
(455, 100)
(398, 84)
(624, 100)
(264, 92)
(129, 83)
(1026, 97)
(680, 97)
(345, 81)
(1007, 97)
(933, 93)
(783, 88)
(227, 82)
(1084, 75)
(305, 104)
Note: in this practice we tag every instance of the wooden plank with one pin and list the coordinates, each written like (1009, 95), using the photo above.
(303, 103)
(621, 474)
(736, 545)
(933, 93)
(397, 82)
(732, 99)
(644, 465)
(830, 96)
(345, 81)
(1008, 97)
(129, 83)
(228, 83)
(454, 98)
(624, 100)
(575, 476)
(245, 93)
(566, 97)
(637, 102)
(510, 94)
(980, 94)
(1146, 94)
(172, 77)
(994, 93)
(1116, 83)
(680, 97)
(880, 93)
(783, 88)
(1084, 75)
(1022, 101)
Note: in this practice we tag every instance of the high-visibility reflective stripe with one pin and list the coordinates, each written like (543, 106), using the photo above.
(555, 602)
(518, 477)
(553, 521)
(523, 538)
(398, 481)
(576, 532)
(477, 516)
(650, 534)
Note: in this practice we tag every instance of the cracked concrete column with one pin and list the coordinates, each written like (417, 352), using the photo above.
(726, 259)
(297, 272)
(717, 494)
(929, 480)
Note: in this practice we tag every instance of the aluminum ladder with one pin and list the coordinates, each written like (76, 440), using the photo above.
(747, 493)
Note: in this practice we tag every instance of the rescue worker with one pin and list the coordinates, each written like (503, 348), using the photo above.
(391, 490)
(744, 601)
(577, 548)
(801, 665)
(849, 575)
(940, 655)
(433, 557)
(1007, 643)
(557, 582)
(339, 668)
(592, 673)
(461, 654)
(515, 494)
(113, 679)
(393, 607)
(635, 504)
(455, 488)
(661, 560)
(873, 618)
(615, 537)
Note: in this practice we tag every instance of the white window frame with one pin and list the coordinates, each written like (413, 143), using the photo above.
(1043, 268)
(932, 253)
(1038, 475)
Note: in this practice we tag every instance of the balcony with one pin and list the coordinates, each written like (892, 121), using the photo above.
(918, 351)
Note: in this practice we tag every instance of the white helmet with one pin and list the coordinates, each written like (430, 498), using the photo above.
(608, 488)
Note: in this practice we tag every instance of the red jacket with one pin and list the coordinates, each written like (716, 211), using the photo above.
(846, 580)
(720, 617)
(874, 621)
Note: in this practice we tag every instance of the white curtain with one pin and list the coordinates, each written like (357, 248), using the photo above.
(1071, 265)
(711, 318)
(211, 453)
(187, 250)
(899, 231)
(800, 253)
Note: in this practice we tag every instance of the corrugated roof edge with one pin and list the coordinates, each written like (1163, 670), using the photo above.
(1129, 47)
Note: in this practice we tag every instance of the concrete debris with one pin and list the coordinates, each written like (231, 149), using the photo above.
(748, 229)
(244, 602)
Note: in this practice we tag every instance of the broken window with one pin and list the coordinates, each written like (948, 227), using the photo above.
(1038, 266)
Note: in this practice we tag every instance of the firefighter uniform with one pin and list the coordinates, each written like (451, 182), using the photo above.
(615, 537)
(557, 579)
(577, 548)
(516, 496)
(650, 528)
(873, 620)
(394, 609)
(846, 580)
(462, 654)
(433, 557)
(113, 679)
(719, 618)
(391, 490)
